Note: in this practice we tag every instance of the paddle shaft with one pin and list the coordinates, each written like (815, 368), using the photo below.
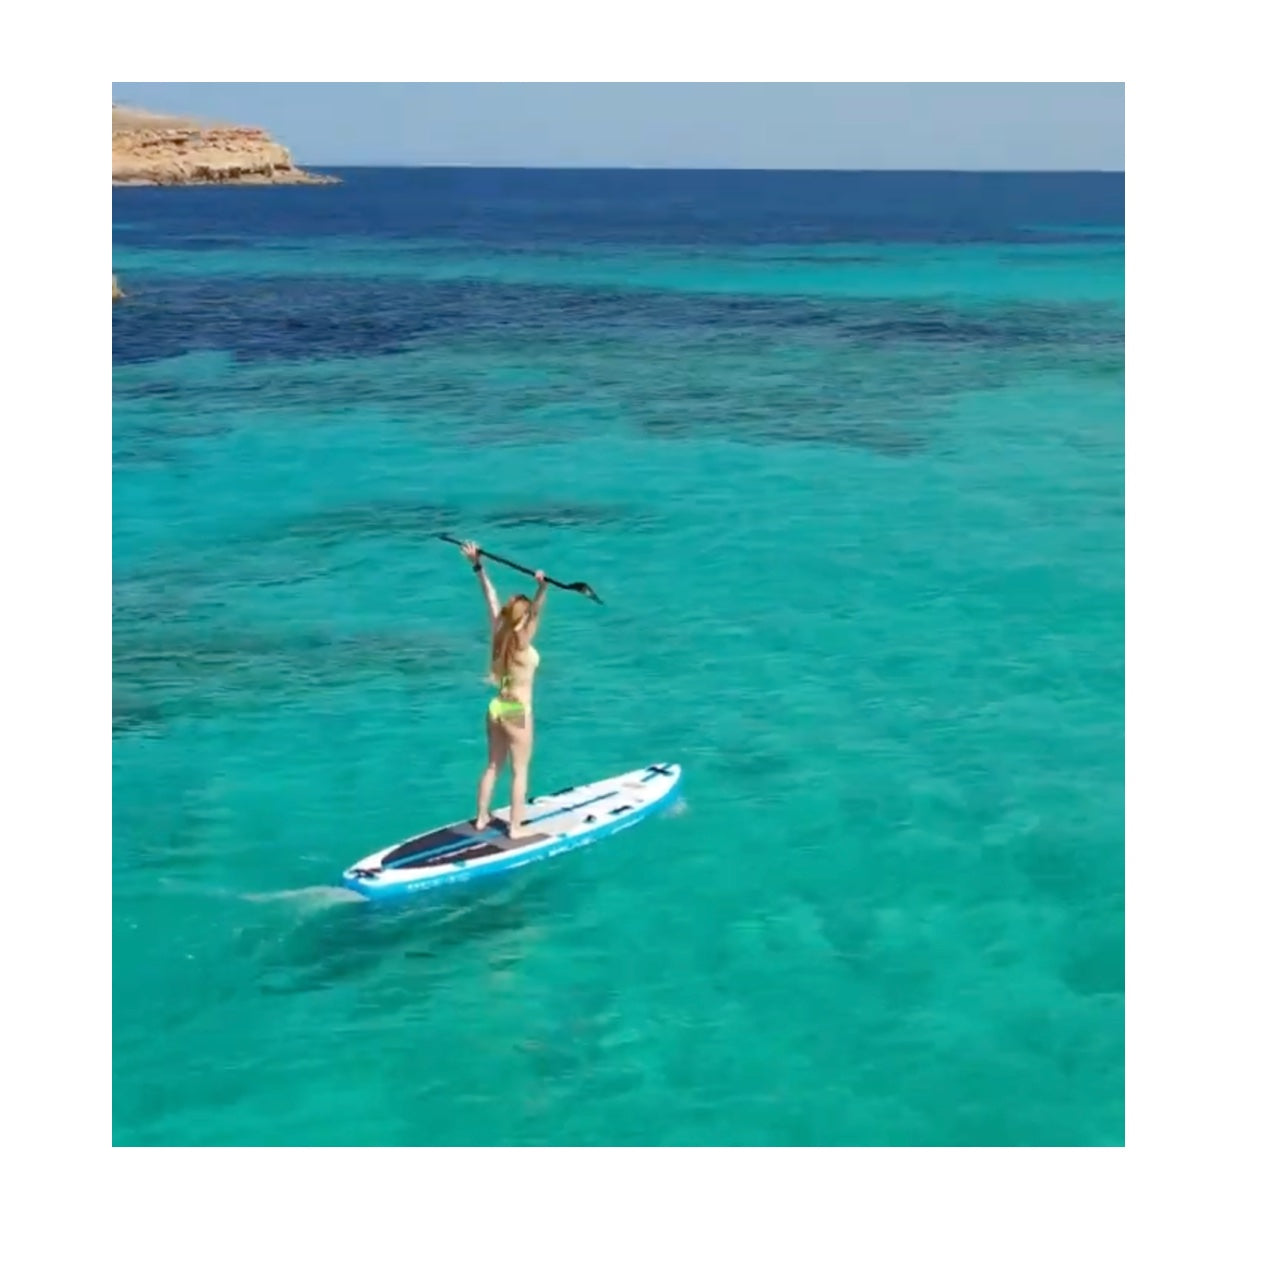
(580, 587)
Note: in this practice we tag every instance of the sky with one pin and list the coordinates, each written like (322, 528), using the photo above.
(671, 125)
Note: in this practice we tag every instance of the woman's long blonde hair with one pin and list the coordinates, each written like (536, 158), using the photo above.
(506, 636)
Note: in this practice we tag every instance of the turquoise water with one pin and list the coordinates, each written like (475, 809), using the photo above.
(857, 512)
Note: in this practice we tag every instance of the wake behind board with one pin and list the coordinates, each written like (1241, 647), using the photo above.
(554, 824)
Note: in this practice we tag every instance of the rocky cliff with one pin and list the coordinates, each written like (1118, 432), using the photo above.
(155, 150)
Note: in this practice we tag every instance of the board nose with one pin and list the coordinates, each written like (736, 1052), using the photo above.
(662, 770)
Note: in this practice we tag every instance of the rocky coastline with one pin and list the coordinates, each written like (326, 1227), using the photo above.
(157, 150)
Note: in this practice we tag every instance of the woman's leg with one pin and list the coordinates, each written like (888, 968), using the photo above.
(520, 740)
(498, 748)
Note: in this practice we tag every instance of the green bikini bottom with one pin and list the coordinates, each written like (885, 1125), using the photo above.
(504, 708)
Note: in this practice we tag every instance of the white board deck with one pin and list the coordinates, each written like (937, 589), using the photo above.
(554, 824)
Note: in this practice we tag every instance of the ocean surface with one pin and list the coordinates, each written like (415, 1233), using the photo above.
(844, 456)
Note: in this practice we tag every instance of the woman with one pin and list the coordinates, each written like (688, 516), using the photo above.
(513, 661)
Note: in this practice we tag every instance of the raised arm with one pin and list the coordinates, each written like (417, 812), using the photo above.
(535, 607)
(472, 552)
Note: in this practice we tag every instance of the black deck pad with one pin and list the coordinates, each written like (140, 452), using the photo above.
(443, 838)
(453, 851)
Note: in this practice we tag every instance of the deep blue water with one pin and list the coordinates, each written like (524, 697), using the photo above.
(643, 206)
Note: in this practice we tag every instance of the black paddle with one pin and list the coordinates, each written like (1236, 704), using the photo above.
(582, 588)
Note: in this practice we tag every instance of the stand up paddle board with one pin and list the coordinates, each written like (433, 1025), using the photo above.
(554, 824)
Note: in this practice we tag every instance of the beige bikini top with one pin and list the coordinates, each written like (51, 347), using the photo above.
(524, 662)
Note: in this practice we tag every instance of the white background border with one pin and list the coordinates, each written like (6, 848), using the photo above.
(1201, 739)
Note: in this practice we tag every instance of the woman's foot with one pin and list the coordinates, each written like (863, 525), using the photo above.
(483, 823)
(514, 833)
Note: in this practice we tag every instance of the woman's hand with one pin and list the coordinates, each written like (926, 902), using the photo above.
(471, 551)
(540, 577)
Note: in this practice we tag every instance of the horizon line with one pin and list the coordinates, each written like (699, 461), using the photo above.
(669, 168)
